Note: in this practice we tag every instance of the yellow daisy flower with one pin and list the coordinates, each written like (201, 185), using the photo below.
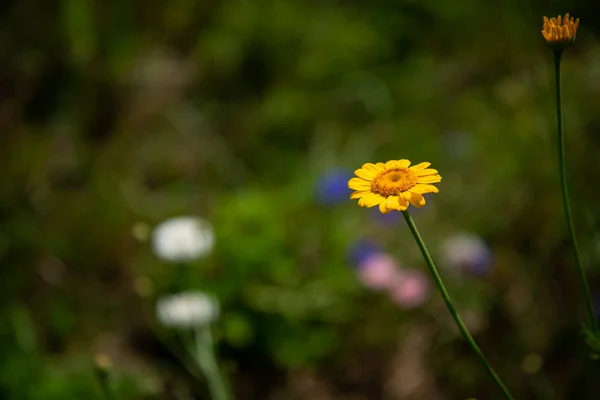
(560, 32)
(393, 185)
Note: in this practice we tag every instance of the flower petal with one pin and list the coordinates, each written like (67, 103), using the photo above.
(359, 184)
(383, 208)
(371, 167)
(391, 203)
(416, 199)
(390, 164)
(370, 200)
(420, 167)
(402, 203)
(393, 164)
(429, 171)
(380, 165)
(396, 203)
(358, 194)
(429, 179)
(365, 174)
(422, 188)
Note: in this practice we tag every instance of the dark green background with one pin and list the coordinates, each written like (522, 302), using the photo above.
(114, 113)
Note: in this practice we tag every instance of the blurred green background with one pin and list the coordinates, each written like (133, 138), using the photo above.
(252, 115)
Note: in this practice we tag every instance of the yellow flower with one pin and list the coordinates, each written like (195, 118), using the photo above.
(560, 32)
(393, 185)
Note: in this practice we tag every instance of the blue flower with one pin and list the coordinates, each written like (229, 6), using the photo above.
(360, 251)
(332, 187)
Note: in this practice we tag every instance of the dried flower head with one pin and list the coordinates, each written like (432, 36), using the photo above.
(560, 32)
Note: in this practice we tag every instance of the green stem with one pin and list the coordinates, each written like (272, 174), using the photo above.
(107, 393)
(461, 326)
(565, 194)
(207, 361)
(104, 381)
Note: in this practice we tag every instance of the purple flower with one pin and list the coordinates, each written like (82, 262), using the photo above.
(332, 187)
(467, 253)
(362, 250)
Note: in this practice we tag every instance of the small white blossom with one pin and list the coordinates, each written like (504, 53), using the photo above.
(187, 310)
(182, 239)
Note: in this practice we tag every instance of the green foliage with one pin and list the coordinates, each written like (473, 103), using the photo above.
(118, 115)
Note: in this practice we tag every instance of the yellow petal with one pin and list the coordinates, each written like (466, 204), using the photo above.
(416, 200)
(396, 203)
(546, 35)
(430, 179)
(390, 164)
(424, 188)
(371, 167)
(359, 194)
(365, 174)
(359, 184)
(370, 200)
(420, 167)
(393, 164)
(402, 163)
(391, 203)
(383, 208)
(380, 165)
(426, 172)
(402, 203)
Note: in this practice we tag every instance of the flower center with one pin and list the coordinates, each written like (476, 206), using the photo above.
(394, 181)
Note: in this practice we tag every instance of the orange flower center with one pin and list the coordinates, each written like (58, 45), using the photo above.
(392, 182)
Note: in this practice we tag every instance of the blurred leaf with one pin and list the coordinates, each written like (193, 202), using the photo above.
(80, 26)
(23, 328)
(237, 329)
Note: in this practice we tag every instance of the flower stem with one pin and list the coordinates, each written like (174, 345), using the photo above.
(205, 357)
(104, 380)
(461, 326)
(565, 194)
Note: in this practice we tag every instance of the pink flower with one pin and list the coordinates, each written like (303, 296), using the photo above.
(411, 289)
(379, 271)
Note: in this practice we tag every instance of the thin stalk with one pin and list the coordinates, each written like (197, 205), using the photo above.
(461, 326)
(565, 194)
(103, 377)
(207, 361)
(106, 393)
